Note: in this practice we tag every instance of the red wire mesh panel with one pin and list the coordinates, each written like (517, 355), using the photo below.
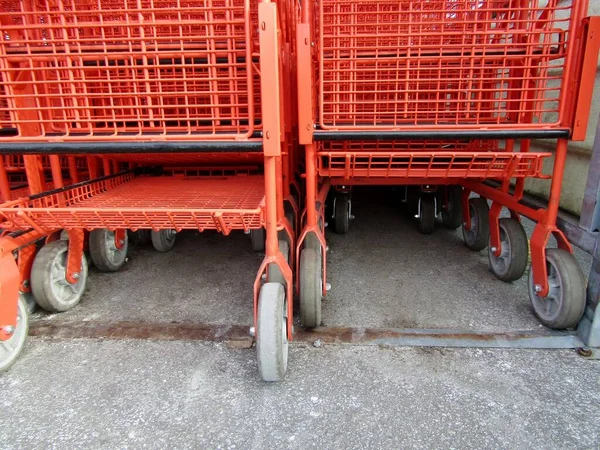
(474, 159)
(127, 201)
(122, 69)
(446, 64)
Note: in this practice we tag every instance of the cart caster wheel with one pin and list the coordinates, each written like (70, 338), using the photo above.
(258, 237)
(512, 262)
(452, 212)
(105, 254)
(342, 214)
(274, 274)
(271, 337)
(140, 237)
(478, 236)
(311, 288)
(11, 349)
(427, 215)
(564, 305)
(49, 285)
(163, 240)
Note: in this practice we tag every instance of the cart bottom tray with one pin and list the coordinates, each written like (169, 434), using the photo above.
(136, 202)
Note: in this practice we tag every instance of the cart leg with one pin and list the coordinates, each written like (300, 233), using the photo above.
(556, 283)
(14, 315)
(273, 304)
(311, 250)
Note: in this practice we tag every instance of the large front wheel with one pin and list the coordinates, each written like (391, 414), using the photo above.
(49, 284)
(271, 334)
(564, 305)
(11, 348)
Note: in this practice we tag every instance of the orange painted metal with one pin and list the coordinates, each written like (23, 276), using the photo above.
(273, 139)
(591, 42)
(119, 70)
(440, 65)
(131, 202)
(422, 160)
(11, 278)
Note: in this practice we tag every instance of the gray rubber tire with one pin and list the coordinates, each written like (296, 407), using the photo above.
(452, 215)
(104, 253)
(427, 215)
(311, 287)
(274, 274)
(140, 237)
(342, 213)
(258, 237)
(512, 262)
(565, 303)
(478, 236)
(49, 286)
(11, 349)
(271, 334)
(164, 240)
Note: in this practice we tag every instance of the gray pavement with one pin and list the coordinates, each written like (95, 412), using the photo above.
(140, 394)
(148, 394)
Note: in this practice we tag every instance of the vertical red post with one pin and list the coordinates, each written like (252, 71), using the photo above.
(4, 184)
(57, 177)
(270, 98)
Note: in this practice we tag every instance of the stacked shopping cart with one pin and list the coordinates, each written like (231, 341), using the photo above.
(127, 119)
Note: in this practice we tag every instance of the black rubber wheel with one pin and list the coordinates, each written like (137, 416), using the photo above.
(140, 237)
(311, 285)
(478, 236)
(342, 213)
(512, 262)
(564, 305)
(452, 215)
(49, 285)
(104, 252)
(258, 238)
(427, 214)
(164, 240)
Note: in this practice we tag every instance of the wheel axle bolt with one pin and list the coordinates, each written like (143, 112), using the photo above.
(263, 276)
(351, 217)
(9, 329)
(327, 287)
(494, 249)
(121, 242)
(251, 331)
(538, 288)
(326, 224)
(76, 276)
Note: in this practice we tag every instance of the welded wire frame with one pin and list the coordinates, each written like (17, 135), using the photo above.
(475, 159)
(132, 202)
(446, 64)
(125, 69)
(16, 163)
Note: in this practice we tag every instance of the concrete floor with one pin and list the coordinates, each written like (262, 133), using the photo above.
(145, 394)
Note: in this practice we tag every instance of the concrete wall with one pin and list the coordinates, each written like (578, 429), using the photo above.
(579, 152)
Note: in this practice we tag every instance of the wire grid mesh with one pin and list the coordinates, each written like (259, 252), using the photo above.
(94, 69)
(127, 201)
(476, 159)
(445, 63)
